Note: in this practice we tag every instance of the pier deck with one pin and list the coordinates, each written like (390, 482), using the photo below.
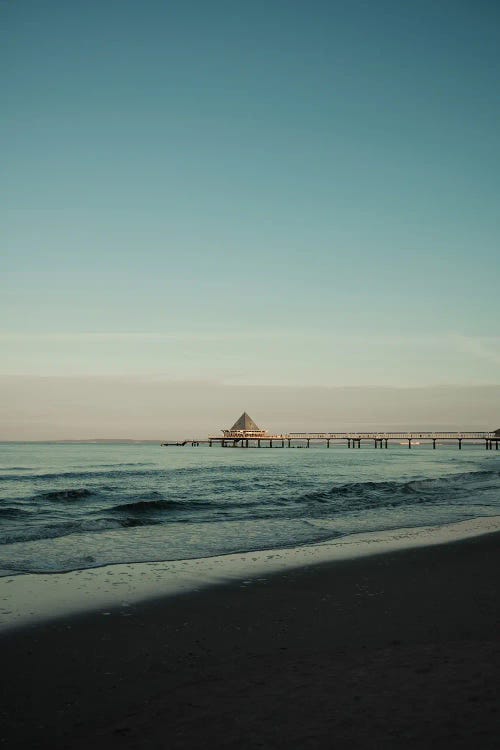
(352, 439)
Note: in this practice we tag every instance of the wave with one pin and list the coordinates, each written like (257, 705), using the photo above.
(72, 475)
(54, 531)
(13, 512)
(450, 479)
(394, 493)
(165, 472)
(117, 465)
(78, 493)
(145, 506)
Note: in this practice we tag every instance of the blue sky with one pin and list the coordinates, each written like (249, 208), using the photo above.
(264, 193)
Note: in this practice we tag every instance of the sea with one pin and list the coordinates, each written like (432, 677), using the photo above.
(74, 506)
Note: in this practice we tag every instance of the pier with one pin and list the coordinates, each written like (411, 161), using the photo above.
(245, 434)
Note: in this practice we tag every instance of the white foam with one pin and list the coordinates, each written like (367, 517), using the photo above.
(31, 598)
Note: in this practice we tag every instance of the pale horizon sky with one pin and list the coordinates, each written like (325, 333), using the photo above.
(62, 408)
(269, 194)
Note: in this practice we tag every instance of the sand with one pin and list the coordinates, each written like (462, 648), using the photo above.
(395, 650)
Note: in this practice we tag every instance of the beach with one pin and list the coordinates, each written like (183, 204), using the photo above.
(391, 650)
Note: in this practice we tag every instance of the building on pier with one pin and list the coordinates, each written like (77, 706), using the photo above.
(245, 428)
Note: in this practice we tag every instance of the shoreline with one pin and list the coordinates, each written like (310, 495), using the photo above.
(34, 598)
(388, 650)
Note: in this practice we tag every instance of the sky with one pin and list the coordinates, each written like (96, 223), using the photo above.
(271, 194)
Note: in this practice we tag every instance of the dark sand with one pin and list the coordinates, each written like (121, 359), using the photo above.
(397, 650)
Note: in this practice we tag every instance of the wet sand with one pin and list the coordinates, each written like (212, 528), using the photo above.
(396, 650)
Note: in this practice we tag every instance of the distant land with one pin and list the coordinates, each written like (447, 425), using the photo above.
(85, 441)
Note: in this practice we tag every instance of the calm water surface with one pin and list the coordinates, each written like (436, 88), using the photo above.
(70, 506)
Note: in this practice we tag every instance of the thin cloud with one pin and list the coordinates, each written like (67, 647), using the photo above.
(139, 337)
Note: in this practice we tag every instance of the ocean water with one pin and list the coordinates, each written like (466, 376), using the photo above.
(70, 506)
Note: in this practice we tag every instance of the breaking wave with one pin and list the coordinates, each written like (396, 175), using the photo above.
(54, 531)
(370, 494)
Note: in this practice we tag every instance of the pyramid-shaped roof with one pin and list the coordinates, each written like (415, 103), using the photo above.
(245, 423)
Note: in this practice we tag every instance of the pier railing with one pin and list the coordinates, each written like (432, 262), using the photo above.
(390, 435)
